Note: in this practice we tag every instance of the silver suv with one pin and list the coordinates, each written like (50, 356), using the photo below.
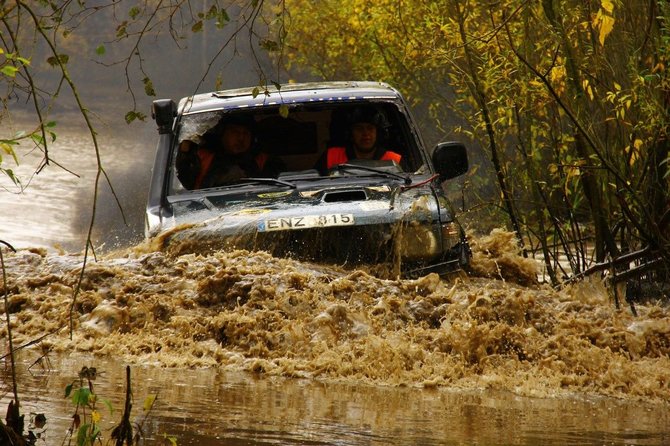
(298, 184)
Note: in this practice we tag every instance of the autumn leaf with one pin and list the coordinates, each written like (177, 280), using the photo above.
(148, 87)
(604, 21)
(61, 59)
(134, 12)
(607, 5)
(9, 71)
(149, 401)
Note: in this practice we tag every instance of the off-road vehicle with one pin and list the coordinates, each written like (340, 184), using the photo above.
(360, 211)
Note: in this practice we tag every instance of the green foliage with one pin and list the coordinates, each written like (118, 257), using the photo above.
(197, 26)
(9, 70)
(134, 12)
(87, 434)
(222, 18)
(8, 147)
(12, 63)
(218, 15)
(60, 59)
(269, 45)
(571, 97)
(122, 29)
(148, 87)
(132, 115)
(82, 397)
(86, 419)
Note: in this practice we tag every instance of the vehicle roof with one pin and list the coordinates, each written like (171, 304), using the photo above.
(288, 94)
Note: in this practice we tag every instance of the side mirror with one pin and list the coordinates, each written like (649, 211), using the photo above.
(163, 111)
(450, 159)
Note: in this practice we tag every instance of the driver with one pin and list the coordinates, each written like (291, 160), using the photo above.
(365, 125)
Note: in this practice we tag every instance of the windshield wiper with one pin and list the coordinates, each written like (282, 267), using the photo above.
(246, 182)
(344, 167)
(268, 180)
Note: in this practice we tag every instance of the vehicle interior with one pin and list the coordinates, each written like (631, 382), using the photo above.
(301, 137)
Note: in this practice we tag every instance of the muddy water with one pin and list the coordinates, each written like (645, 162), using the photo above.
(244, 348)
(52, 206)
(213, 407)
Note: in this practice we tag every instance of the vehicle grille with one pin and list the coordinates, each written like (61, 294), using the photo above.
(351, 244)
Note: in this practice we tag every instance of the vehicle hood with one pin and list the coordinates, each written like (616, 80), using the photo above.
(373, 204)
(248, 211)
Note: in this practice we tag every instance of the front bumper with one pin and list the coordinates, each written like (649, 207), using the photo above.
(412, 246)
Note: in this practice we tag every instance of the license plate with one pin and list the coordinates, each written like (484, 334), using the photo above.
(306, 221)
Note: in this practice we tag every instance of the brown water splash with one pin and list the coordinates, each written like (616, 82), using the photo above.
(249, 311)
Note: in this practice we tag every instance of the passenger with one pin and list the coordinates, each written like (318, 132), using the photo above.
(365, 127)
(226, 155)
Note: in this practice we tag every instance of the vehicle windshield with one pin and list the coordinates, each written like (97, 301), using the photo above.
(388, 169)
(264, 181)
(228, 147)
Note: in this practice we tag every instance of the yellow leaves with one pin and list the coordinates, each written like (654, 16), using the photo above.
(149, 402)
(607, 5)
(95, 417)
(634, 151)
(558, 77)
(658, 68)
(445, 30)
(6, 146)
(604, 20)
(572, 173)
(586, 85)
(621, 99)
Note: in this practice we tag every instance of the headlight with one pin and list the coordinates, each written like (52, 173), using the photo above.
(418, 241)
(451, 235)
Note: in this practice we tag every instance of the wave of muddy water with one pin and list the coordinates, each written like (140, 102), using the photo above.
(243, 312)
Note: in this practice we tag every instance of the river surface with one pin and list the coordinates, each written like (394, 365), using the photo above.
(214, 407)
(242, 348)
(52, 207)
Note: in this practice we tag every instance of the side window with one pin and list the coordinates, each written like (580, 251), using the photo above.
(401, 138)
(192, 132)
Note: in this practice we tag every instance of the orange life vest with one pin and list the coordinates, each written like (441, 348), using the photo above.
(207, 156)
(338, 155)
